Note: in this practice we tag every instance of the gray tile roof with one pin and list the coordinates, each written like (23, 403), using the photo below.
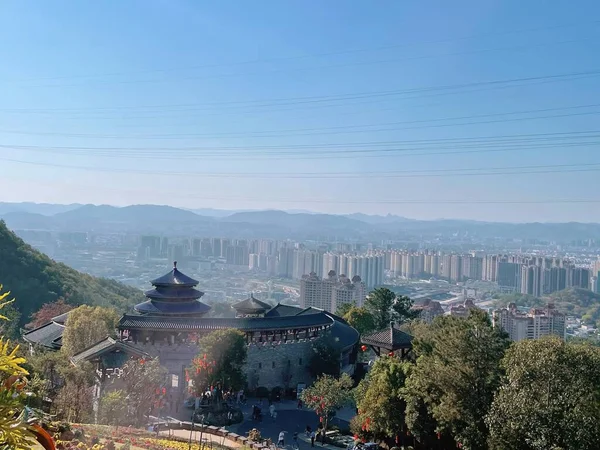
(174, 278)
(106, 345)
(46, 335)
(245, 324)
(391, 338)
(281, 310)
(252, 305)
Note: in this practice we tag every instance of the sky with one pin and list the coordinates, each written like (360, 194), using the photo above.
(481, 109)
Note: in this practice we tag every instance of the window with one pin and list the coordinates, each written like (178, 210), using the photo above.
(289, 362)
(300, 361)
(273, 364)
(260, 365)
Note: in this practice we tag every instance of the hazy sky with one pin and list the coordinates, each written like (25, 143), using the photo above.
(425, 109)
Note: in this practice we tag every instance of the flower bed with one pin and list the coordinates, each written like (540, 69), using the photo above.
(138, 438)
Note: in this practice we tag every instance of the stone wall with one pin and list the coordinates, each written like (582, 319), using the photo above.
(269, 364)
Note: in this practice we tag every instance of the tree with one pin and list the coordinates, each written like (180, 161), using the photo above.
(379, 399)
(48, 366)
(113, 408)
(220, 360)
(86, 326)
(455, 377)
(343, 309)
(325, 358)
(386, 307)
(14, 432)
(326, 396)
(141, 380)
(74, 400)
(360, 319)
(47, 312)
(549, 399)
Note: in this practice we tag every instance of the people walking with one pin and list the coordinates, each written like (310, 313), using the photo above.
(295, 438)
(272, 410)
(281, 439)
(312, 438)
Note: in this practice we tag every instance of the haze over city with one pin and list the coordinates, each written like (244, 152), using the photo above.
(474, 110)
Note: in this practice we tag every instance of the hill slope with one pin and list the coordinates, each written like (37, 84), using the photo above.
(34, 279)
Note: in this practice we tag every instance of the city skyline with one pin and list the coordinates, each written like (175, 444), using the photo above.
(470, 111)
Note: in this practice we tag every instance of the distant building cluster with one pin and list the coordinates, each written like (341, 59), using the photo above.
(330, 292)
(532, 324)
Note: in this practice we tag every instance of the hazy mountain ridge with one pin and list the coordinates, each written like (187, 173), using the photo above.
(275, 223)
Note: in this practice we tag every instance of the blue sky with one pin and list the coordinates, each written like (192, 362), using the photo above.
(338, 106)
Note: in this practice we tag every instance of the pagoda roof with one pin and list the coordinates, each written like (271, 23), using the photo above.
(129, 321)
(175, 308)
(168, 293)
(174, 278)
(391, 338)
(281, 310)
(252, 306)
(107, 345)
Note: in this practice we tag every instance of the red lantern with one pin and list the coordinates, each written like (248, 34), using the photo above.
(363, 348)
(164, 391)
(391, 354)
(439, 435)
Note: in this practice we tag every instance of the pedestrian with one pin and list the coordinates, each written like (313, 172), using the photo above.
(281, 440)
(299, 403)
(307, 430)
(312, 438)
(296, 440)
(272, 410)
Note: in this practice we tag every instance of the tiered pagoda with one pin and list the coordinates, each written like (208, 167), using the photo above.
(169, 324)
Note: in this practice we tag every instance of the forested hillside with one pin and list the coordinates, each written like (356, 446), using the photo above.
(34, 279)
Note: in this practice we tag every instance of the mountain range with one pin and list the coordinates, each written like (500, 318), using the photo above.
(271, 223)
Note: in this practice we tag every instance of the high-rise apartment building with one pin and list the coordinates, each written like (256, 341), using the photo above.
(531, 325)
(532, 280)
(509, 276)
(330, 292)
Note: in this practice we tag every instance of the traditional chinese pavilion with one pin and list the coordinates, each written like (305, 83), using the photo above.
(170, 322)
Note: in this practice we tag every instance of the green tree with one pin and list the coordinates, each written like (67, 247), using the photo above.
(379, 400)
(549, 398)
(86, 326)
(386, 307)
(141, 378)
(48, 364)
(113, 408)
(360, 319)
(455, 377)
(343, 309)
(75, 399)
(221, 358)
(325, 358)
(326, 396)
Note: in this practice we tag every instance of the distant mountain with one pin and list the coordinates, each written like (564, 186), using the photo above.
(154, 219)
(46, 209)
(376, 220)
(34, 279)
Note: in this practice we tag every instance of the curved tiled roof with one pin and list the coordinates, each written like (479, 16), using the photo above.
(48, 335)
(252, 306)
(130, 321)
(163, 293)
(391, 338)
(344, 335)
(174, 278)
(157, 307)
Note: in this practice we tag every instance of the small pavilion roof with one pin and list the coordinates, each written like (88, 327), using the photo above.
(174, 278)
(252, 306)
(48, 335)
(106, 345)
(391, 338)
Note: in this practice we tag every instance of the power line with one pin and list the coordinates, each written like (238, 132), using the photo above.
(238, 136)
(315, 55)
(319, 68)
(321, 98)
(515, 170)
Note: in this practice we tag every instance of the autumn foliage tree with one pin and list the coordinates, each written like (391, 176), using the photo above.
(86, 326)
(327, 395)
(47, 312)
(220, 361)
(143, 382)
